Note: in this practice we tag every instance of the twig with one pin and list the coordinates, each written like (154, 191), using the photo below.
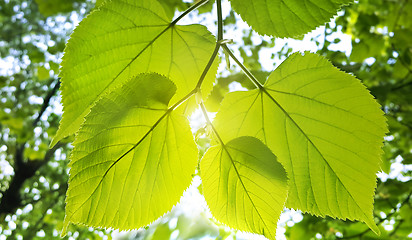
(46, 101)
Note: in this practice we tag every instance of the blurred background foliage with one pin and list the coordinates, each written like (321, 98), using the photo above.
(33, 178)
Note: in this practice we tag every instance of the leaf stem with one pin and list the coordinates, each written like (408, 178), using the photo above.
(190, 9)
(245, 70)
(219, 20)
(208, 66)
(182, 100)
(217, 46)
(232, 161)
(204, 111)
(199, 83)
(168, 111)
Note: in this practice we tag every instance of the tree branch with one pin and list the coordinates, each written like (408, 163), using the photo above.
(11, 199)
(46, 101)
(23, 170)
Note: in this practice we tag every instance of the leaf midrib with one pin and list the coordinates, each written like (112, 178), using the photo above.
(225, 147)
(87, 110)
(134, 59)
(168, 111)
(264, 90)
(326, 104)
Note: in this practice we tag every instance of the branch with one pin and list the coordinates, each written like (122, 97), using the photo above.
(12, 199)
(23, 170)
(393, 211)
(397, 17)
(245, 70)
(190, 9)
(46, 101)
(404, 84)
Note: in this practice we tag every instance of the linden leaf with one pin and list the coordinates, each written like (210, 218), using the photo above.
(286, 18)
(324, 127)
(121, 39)
(132, 157)
(244, 185)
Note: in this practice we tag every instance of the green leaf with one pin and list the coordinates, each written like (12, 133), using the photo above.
(370, 46)
(132, 158)
(43, 73)
(171, 6)
(120, 40)
(324, 127)
(99, 3)
(286, 18)
(244, 185)
(53, 7)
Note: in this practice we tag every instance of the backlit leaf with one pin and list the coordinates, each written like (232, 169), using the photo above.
(324, 127)
(132, 158)
(121, 39)
(244, 185)
(286, 18)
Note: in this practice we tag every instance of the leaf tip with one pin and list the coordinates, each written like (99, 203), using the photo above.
(62, 132)
(375, 229)
(66, 223)
(54, 141)
(372, 225)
